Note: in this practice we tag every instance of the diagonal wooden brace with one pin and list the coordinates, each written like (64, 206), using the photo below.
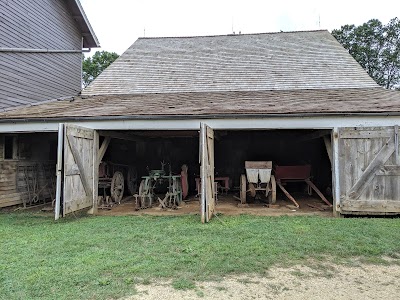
(312, 185)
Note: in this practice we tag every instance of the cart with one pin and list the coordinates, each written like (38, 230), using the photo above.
(258, 179)
(112, 181)
(297, 173)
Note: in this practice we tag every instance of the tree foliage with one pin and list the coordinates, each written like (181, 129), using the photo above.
(93, 66)
(376, 47)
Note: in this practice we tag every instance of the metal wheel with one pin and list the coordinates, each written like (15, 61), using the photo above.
(117, 187)
(131, 179)
(272, 188)
(243, 184)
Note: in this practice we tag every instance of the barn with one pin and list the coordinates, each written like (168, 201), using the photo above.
(292, 98)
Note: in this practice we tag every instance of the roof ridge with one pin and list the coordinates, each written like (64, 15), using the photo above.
(231, 34)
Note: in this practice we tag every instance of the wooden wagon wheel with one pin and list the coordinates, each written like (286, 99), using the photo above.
(131, 179)
(117, 187)
(145, 193)
(243, 188)
(272, 189)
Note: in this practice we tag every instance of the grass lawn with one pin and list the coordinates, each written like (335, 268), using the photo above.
(105, 257)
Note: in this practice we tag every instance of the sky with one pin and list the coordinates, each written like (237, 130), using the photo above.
(118, 23)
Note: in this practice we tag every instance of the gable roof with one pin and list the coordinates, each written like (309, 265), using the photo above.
(216, 104)
(244, 62)
(89, 37)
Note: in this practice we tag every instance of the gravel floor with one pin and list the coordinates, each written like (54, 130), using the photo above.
(329, 281)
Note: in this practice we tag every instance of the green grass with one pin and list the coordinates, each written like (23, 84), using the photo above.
(106, 257)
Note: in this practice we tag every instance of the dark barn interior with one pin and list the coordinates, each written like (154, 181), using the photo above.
(27, 168)
(282, 147)
(31, 165)
(147, 149)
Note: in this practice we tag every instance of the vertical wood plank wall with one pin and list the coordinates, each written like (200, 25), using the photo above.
(369, 174)
(13, 189)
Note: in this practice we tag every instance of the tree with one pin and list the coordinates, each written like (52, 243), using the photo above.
(93, 66)
(376, 47)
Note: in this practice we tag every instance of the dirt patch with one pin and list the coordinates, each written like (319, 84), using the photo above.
(298, 282)
(227, 205)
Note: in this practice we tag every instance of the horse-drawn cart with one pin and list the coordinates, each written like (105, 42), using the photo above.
(258, 178)
(297, 173)
(113, 178)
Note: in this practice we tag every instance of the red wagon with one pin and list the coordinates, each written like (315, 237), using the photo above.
(297, 173)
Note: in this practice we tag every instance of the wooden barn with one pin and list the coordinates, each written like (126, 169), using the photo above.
(41, 45)
(293, 98)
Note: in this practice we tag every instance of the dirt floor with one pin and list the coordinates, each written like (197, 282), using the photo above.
(228, 205)
(358, 281)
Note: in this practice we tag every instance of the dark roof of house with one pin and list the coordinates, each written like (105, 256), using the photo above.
(286, 102)
(244, 62)
(89, 37)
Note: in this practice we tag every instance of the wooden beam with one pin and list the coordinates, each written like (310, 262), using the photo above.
(371, 205)
(313, 135)
(368, 175)
(312, 185)
(79, 163)
(287, 194)
(120, 136)
(396, 144)
(328, 146)
(103, 148)
(389, 170)
(351, 133)
(96, 163)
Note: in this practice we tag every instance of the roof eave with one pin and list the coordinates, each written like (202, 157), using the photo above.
(89, 37)
(206, 116)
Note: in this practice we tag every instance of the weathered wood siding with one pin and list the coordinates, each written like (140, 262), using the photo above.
(369, 170)
(80, 182)
(31, 77)
(13, 187)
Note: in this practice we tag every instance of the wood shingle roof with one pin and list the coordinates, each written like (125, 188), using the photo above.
(246, 62)
(288, 102)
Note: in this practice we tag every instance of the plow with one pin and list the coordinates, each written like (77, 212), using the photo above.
(159, 181)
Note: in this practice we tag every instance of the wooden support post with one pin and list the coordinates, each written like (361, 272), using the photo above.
(103, 148)
(287, 194)
(60, 163)
(396, 145)
(328, 146)
(335, 173)
(96, 163)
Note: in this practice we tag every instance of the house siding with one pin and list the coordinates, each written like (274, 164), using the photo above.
(30, 77)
